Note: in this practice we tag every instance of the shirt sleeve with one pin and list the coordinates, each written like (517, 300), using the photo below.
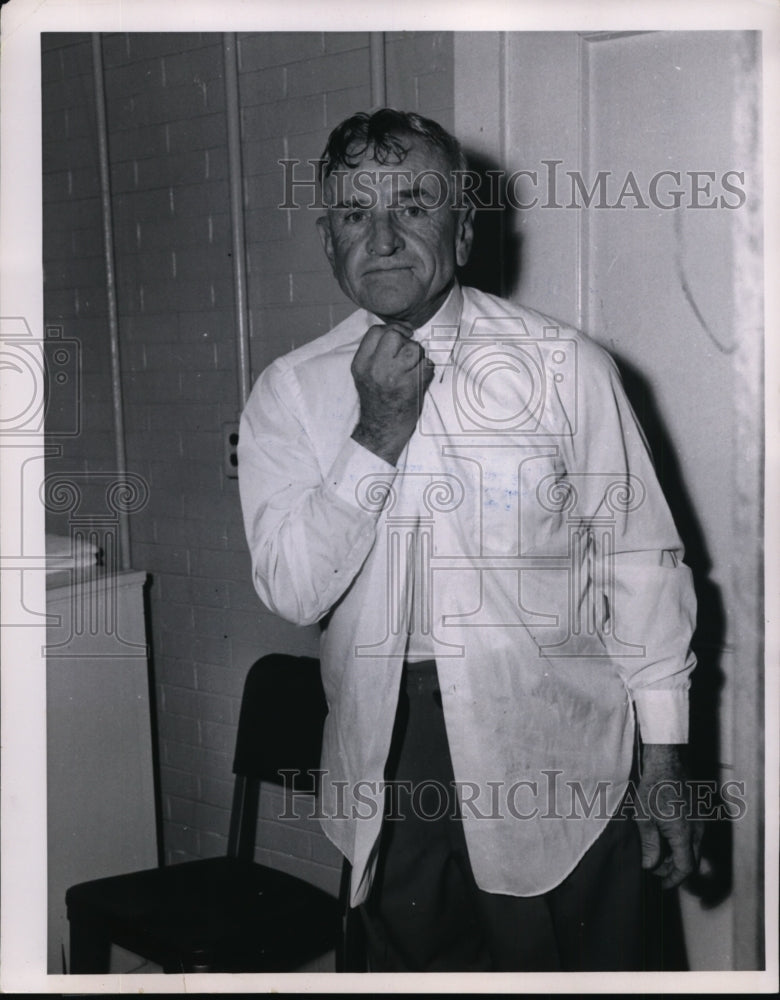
(308, 534)
(646, 608)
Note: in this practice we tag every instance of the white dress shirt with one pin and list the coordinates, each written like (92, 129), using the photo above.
(522, 540)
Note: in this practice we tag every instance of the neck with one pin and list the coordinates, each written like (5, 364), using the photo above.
(426, 312)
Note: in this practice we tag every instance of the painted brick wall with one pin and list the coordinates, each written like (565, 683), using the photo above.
(167, 137)
(74, 269)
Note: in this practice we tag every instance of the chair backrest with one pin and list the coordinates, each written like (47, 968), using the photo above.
(283, 711)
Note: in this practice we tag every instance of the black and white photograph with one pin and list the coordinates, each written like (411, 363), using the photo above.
(388, 438)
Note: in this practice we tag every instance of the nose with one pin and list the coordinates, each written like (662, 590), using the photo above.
(384, 238)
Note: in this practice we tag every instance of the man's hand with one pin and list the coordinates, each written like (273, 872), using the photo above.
(662, 794)
(391, 374)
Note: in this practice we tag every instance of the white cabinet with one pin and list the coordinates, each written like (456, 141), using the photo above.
(100, 796)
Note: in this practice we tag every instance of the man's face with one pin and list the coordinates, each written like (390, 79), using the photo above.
(391, 237)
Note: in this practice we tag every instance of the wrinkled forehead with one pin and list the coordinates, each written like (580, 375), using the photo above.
(381, 176)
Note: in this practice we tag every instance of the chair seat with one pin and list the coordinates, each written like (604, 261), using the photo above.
(219, 914)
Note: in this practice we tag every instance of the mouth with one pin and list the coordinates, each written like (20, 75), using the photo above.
(387, 270)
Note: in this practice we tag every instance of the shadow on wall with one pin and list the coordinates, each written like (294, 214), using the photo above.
(497, 255)
(708, 639)
(496, 252)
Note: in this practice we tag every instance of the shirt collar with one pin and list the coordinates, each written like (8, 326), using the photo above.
(441, 330)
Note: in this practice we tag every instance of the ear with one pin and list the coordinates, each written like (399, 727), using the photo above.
(326, 239)
(464, 235)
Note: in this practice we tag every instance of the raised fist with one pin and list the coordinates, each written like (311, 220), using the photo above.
(392, 374)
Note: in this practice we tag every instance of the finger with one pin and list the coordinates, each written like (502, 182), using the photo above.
(427, 371)
(675, 877)
(389, 336)
(668, 872)
(368, 345)
(680, 862)
(651, 843)
(405, 329)
(397, 347)
(387, 340)
(411, 355)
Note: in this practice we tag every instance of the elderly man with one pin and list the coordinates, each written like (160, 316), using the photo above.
(456, 489)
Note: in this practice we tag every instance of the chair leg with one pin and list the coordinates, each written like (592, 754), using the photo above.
(90, 949)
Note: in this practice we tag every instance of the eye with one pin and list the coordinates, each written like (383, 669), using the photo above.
(413, 211)
(355, 215)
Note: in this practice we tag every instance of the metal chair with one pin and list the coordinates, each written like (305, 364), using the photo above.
(227, 914)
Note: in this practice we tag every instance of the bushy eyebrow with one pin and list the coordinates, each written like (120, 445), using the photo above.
(408, 193)
(353, 202)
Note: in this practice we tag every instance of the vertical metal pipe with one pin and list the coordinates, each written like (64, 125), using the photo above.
(235, 174)
(113, 314)
(376, 52)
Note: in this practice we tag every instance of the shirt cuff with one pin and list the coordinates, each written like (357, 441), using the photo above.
(662, 715)
(361, 478)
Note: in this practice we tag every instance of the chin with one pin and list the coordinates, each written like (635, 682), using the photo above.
(391, 306)
(389, 297)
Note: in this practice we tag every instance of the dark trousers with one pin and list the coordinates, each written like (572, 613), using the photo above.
(425, 911)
